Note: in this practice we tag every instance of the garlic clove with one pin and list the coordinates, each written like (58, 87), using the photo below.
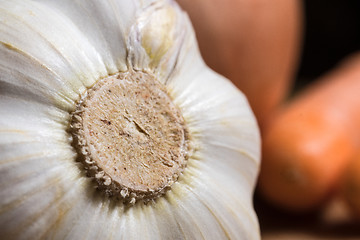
(194, 216)
(57, 48)
(35, 152)
(23, 76)
(157, 38)
(75, 216)
(38, 188)
(105, 24)
(225, 196)
(31, 120)
(224, 124)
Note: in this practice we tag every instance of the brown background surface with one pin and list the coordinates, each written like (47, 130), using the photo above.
(333, 222)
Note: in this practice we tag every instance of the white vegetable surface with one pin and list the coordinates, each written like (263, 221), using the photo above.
(51, 53)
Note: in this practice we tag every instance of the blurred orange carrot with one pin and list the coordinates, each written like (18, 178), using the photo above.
(309, 142)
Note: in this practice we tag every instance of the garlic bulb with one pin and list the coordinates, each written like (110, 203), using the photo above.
(112, 127)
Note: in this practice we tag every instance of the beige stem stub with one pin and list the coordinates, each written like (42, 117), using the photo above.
(130, 136)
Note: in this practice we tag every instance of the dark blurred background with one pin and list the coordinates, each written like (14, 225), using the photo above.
(332, 32)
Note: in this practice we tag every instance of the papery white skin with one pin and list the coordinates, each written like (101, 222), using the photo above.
(50, 53)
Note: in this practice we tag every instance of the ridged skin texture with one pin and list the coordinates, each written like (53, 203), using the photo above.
(51, 52)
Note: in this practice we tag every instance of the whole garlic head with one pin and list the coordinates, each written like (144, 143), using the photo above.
(112, 127)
